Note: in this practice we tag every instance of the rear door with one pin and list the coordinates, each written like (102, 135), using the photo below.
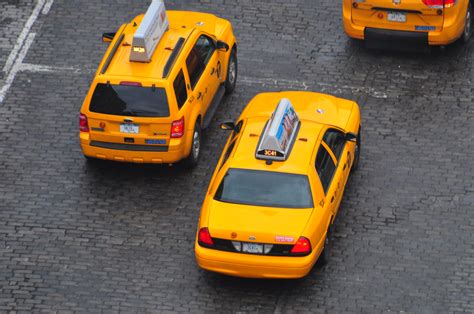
(129, 113)
(405, 15)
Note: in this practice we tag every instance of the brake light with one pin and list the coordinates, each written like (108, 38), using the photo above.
(126, 83)
(177, 128)
(83, 124)
(439, 4)
(204, 238)
(301, 247)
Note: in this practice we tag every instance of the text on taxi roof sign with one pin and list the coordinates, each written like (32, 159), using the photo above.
(149, 33)
(280, 133)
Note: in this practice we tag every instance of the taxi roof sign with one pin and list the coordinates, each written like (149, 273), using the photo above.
(279, 133)
(151, 30)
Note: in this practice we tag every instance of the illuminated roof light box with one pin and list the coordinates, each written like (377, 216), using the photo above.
(280, 133)
(154, 24)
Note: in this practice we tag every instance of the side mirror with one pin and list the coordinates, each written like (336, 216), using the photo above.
(108, 37)
(351, 137)
(228, 126)
(222, 46)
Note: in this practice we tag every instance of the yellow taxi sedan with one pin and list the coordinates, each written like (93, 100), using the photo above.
(407, 23)
(273, 198)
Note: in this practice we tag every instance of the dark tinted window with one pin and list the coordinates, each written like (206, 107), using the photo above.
(264, 188)
(125, 100)
(228, 152)
(336, 141)
(198, 58)
(179, 85)
(325, 167)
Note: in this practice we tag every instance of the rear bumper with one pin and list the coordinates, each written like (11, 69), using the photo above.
(376, 38)
(107, 151)
(256, 266)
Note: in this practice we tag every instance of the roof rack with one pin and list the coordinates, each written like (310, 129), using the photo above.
(154, 24)
(279, 133)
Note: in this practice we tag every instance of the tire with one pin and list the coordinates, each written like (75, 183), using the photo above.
(232, 72)
(467, 33)
(193, 159)
(324, 257)
(355, 165)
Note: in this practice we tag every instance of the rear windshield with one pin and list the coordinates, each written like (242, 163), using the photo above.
(126, 100)
(264, 188)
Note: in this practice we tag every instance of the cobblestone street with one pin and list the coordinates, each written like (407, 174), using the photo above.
(116, 237)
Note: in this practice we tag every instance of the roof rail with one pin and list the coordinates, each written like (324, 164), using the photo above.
(173, 56)
(112, 54)
(279, 133)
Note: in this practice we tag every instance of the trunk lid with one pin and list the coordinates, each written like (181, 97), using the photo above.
(257, 224)
(404, 15)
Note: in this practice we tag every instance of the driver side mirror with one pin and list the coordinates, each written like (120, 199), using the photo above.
(222, 46)
(228, 126)
(351, 137)
(108, 37)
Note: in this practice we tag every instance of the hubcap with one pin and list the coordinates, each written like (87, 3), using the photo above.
(196, 145)
(232, 72)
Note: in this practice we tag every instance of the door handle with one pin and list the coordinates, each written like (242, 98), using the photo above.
(199, 95)
(345, 166)
(213, 71)
(332, 199)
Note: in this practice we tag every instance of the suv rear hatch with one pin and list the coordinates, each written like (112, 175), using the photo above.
(129, 117)
(403, 15)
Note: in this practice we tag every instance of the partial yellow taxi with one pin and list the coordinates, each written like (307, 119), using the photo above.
(271, 203)
(158, 86)
(410, 23)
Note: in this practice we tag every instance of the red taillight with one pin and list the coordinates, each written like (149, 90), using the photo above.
(177, 128)
(83, 124)
(301, 247)
(439, 4)
(204, 238)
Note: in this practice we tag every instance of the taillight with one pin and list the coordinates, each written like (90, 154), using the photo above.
(302, 247)
(177, 128)
(439, 4)
(83, 124)
(204, 238)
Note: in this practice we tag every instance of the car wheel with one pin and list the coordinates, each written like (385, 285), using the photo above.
(193, 159)
(324, 257)
(355, 165)
(232, 72)
(466, 35)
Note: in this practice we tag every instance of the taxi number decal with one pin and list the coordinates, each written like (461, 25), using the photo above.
(271, 153)
(139, 49)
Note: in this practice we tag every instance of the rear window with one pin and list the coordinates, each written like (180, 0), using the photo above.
(126, 100)
(264, 188)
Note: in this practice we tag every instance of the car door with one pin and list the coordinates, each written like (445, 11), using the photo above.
(201, 64)
(326, 168)
(342, 156)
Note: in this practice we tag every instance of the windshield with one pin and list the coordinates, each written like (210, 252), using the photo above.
(126, 100)
(264, 188)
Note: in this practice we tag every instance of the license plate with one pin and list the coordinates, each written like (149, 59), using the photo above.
(129, 128)
(397, 17)
(252, 248)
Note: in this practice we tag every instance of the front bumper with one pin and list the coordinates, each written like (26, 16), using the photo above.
(256, 266)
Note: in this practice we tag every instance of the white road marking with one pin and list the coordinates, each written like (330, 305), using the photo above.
(17, 65)
(38, 68)
(47, 7)
(23, 35)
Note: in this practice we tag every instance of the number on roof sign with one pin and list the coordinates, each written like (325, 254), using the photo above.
(271, 153)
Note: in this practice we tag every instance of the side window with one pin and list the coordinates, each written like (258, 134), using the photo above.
(198, 58)
(336, 141)
(325, 167)
(180, 91)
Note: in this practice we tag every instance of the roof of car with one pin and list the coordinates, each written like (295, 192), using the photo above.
(182, 24)
(315, 111)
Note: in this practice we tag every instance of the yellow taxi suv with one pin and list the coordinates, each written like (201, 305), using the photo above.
(409, 24)
(272, 200)
(158, 85)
